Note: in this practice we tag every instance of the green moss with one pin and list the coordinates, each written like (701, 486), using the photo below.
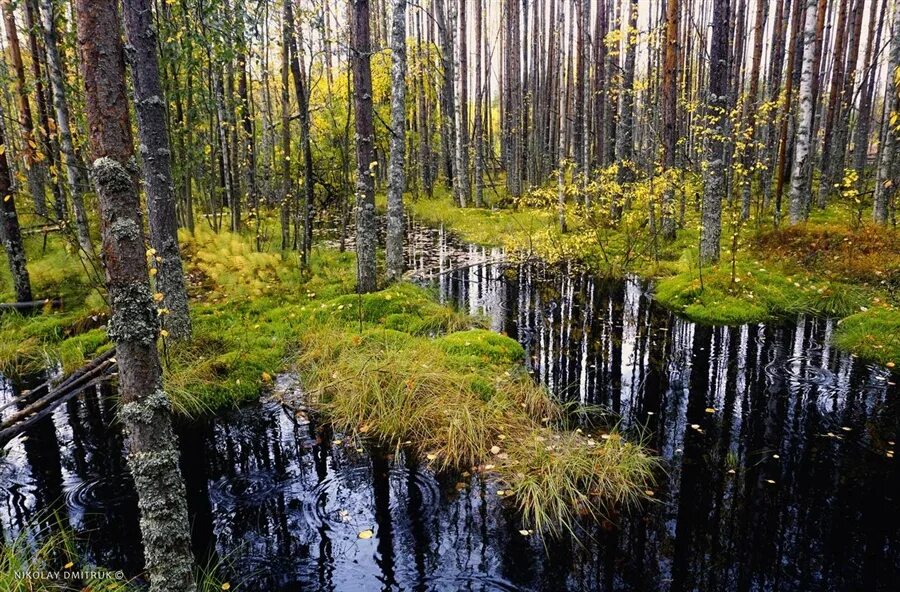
(872, 334)
(482, 346)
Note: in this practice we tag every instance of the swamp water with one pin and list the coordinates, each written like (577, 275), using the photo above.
(774, 446)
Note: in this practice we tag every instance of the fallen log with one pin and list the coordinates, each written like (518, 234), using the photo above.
(54, 303)
(68, 381)
(11, 432)
(78, 384)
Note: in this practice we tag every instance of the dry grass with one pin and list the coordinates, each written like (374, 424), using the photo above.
(472, 409)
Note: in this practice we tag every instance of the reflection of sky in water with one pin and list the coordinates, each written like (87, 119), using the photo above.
(271, 495)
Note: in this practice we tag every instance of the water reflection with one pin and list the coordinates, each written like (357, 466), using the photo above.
(774, 446)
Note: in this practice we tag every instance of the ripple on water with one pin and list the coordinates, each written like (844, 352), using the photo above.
(245, 489)
(99, 493)
(801, 371)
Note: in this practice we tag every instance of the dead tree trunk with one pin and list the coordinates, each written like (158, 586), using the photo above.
(133, 326)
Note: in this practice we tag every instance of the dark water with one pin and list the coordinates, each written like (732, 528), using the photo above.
(775, 448)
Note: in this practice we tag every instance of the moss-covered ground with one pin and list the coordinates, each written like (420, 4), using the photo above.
(837, 264)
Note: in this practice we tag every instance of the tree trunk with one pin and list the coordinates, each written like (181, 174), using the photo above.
(625, 127)
(800, 190)
(300, 88)
(448, 138)
(462, 118)
(886, 183)
(478, 132)
(864, 124)
(47, 140)
(286, 197)
(366, 233)
(61, 108)
(750, 106)
(31, 155)
(834, 96)
(133, 327)
(714, 169)
(514, 96)
(157, 164)
(10, 232)
(670, 112)
(396, 173)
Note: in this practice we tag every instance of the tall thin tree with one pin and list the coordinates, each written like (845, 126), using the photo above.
(360, 53)
(133, 325)
(157, 165)
(396, 172)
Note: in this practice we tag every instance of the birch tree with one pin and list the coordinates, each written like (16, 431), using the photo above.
(360, 52)
(800, 190)
(886, 182)
(397, 172)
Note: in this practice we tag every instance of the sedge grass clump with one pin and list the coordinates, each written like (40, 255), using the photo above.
(466, 406)
(46, 551)
(559, 476)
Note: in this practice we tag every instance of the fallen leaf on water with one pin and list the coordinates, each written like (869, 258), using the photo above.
(366, 534)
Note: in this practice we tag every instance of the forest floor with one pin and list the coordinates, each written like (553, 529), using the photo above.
(827, 266)
(394, 365)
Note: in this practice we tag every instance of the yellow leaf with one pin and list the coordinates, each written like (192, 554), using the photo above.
(68, 565)
(366, 534)
(226, 586)
(164, 333)
(158, 297)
